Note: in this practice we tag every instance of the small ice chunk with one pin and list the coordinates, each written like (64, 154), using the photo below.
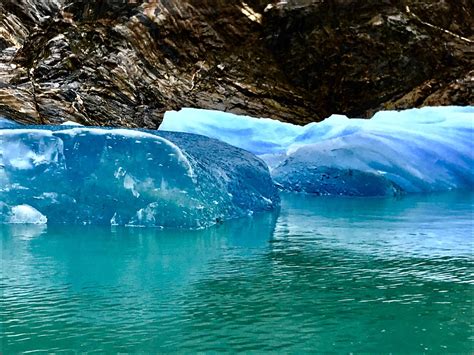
(25, 214)
(71, 123)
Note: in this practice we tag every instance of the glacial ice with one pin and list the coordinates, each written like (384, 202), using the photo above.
(257, 135)
(76, 175)
(416, 150)
(71, 123)
(21, 214)
(6, 123)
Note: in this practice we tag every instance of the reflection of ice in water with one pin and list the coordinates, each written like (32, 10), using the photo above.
(431, 225)
(327, 267)
(428, 228)
(25, 231)
(122, 262)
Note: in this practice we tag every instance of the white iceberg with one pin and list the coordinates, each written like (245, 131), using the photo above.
(416, 150)
(21, 214)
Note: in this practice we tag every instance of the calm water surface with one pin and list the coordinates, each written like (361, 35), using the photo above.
(323, 274)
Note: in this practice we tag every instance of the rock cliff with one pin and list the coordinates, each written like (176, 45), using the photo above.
(124, 63)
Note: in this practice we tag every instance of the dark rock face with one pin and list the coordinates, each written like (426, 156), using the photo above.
(124, 63)
(360, 55)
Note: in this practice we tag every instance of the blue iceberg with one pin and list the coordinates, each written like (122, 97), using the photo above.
(257, 135)
(72, 175)
(416, 150)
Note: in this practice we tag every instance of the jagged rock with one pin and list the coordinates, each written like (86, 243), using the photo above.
(125, 63)
(358, 56)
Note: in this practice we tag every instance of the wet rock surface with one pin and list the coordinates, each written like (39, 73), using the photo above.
(126, 63)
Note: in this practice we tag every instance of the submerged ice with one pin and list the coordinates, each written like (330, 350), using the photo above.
(77, 175)
(416, 150)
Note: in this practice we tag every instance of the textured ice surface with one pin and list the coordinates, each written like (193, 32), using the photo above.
(257, 135)
(416, 150)
(21, 214)
(127, 177)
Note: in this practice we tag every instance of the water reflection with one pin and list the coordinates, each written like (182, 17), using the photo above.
(325, 274)
(415, 225)
(101, 255)
(347, 275)
(97, 277)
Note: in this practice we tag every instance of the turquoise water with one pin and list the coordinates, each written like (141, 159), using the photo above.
(323, 274)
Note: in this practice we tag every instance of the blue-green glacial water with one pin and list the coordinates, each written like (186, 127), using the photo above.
(323, 274)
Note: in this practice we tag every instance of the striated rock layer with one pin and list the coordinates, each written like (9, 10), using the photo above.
(124, 63)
